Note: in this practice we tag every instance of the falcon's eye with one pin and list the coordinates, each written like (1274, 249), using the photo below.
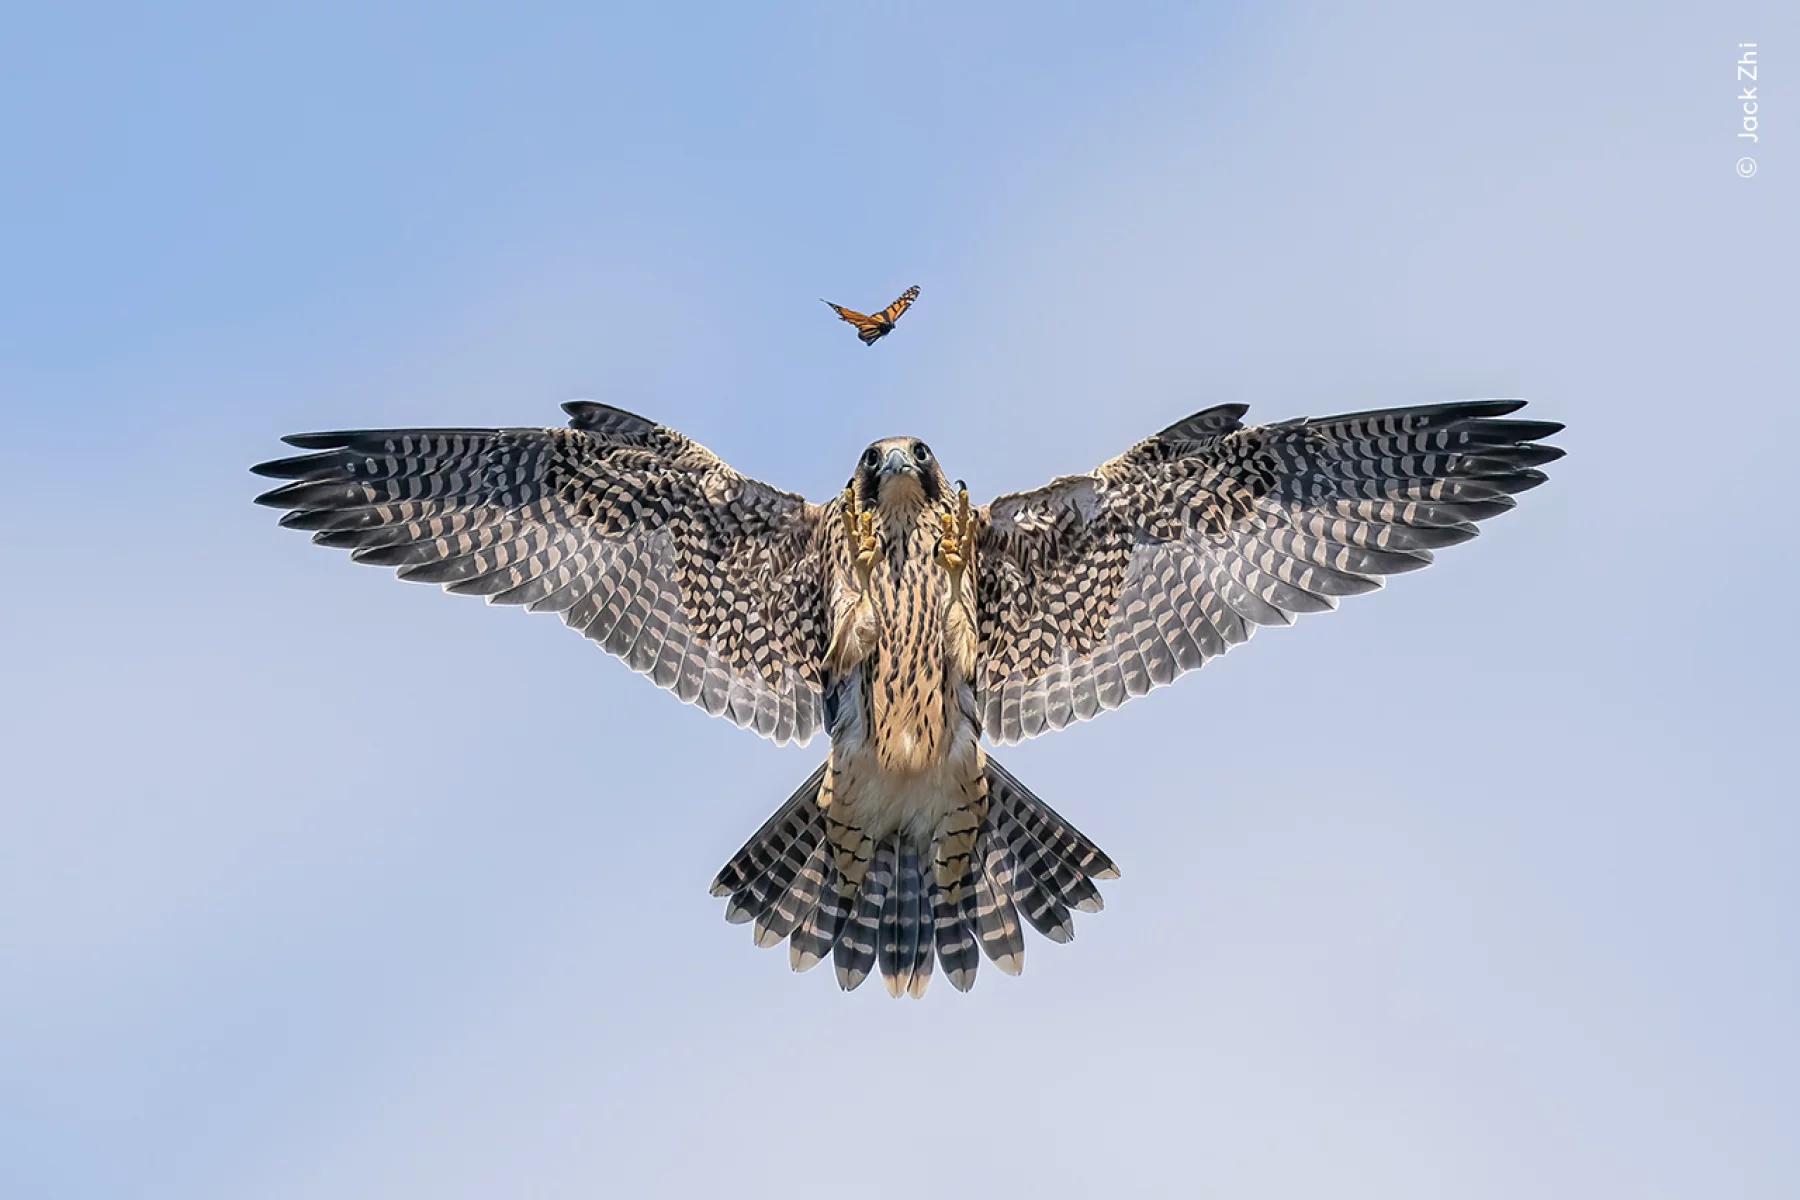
(871, 458)
(922, 452)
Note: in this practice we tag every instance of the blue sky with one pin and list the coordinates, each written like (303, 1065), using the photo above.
(317, 884)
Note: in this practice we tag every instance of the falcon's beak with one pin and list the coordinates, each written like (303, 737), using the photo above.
(898, 462)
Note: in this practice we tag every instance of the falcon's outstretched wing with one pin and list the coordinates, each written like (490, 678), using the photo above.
(1099, 587)
(708, 582)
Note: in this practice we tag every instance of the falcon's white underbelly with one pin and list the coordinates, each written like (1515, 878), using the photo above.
(881, 799)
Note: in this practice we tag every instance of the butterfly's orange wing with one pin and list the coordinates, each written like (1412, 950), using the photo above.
(848, 314)
(892, 312)
(872, 329)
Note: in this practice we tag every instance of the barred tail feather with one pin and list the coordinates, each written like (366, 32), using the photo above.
(854, 955)
(831, 891)
(997, 927)
(1044, 912)
(900, 922)
(793, 820)
(1057, 840)
(924, 943)
(818, 933)
(955, 939)
(784, 916)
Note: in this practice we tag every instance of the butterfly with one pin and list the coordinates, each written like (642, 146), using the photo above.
(872, 329)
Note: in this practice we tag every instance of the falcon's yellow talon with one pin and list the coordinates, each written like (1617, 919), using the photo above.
(860, 526)
(956, 543)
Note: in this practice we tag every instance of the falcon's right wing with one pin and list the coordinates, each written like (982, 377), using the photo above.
(1099, 587)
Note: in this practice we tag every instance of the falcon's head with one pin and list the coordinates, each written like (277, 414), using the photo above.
(899, 473)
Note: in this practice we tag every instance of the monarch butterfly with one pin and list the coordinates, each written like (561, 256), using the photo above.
(872, 329)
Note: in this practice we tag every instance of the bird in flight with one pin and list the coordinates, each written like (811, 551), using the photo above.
(907, 623)
(872, 329)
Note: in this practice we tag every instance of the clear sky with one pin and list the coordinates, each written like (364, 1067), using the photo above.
(315, 884)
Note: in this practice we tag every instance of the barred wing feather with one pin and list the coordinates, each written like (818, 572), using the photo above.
(640, 538)
(1100, 587)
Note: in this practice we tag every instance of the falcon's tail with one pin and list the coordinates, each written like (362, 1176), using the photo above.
(1027, 862)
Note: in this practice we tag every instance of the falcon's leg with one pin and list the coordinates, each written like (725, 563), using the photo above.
(857, 628)
(956, 549)
(861, 527)
(956, 545)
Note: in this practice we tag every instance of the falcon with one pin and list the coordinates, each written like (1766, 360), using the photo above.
(907, 623)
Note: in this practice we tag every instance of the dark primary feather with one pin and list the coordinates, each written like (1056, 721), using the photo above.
(637, 536)
(1099, 587)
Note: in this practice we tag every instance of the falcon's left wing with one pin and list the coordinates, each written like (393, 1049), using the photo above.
(1099, 587)
(642, 539)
